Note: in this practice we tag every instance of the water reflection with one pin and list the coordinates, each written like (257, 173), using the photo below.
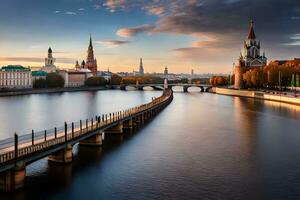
(201, 146)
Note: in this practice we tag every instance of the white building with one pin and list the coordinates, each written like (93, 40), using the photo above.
(49, 63)
(15, 76)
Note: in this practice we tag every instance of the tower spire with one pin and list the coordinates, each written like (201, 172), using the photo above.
(141, 70)
(251, 33)
(91, 43)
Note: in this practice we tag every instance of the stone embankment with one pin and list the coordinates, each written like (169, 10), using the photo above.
(283, 97)
(4, 93)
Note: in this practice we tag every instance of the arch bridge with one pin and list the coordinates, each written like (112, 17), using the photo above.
(185, 86)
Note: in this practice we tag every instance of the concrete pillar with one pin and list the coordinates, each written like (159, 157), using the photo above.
(185, 88)
(95, 140)
(142, 118)
(63, 156)
(14, 178)
(118, 129)
(128, 124)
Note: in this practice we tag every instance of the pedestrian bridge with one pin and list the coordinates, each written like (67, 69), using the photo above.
(184, 86)
(56, 144)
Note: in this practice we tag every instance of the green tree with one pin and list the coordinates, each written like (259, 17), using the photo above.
(95, 81)
(54, 80)
(40, 83)
(115, 79)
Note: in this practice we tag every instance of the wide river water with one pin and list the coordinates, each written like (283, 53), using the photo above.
(202, 146)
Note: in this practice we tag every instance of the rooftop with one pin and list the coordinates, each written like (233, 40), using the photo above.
(39, 73)
(14, 68)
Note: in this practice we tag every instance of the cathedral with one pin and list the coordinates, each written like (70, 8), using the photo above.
(250, 57)
(91, 62)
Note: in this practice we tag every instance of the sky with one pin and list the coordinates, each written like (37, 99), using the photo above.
(204, 35)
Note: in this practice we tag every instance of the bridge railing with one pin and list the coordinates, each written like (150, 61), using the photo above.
(22, 145)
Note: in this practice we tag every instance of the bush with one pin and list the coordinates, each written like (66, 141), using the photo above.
(54, 80)
(219, 81)
(115, 79)
(95, 81)
(40, 83)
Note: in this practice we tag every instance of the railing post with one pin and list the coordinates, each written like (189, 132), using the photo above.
(66, 132)
(105, 118)
(109, 117)
(45, 135)
(87, 124)
(113, 117)
(99, 121)
(72, 129)
(16, 146)
(80, 127)
(55, 132)
(32, 137)
(92, 124)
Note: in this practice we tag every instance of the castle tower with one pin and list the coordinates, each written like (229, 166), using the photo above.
(238, 75)
(141, 70)
(91, 62)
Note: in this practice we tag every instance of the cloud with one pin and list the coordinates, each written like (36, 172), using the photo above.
(36, 59)
(97, 6)
(295, 40)
(22, 59)
(81, 9)
(130, 32)
(56, 12)
(155, 10)
(112, 43)
(218, 26)
(70, 13)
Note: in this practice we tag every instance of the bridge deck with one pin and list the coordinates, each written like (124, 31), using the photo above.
(44, 144)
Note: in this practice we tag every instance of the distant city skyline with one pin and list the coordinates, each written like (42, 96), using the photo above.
(206, 36)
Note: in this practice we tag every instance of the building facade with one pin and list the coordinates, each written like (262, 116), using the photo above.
(15, 76)
(250, 57)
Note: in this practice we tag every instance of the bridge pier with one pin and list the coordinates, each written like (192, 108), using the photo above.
(14, 178)
(128, 124)
(118, 129)
(95, 140)
(63, 156)
(185, 88)
(142, 118)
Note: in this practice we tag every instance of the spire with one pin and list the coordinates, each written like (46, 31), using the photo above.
(141, 70)
(251, 33)
(91, 43)
(141, 62)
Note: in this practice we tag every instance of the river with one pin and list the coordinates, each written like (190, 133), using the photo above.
(202, 146)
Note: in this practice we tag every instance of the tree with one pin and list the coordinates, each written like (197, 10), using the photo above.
(40, 83)
(95, 81)
(115, 79)
(54, 80)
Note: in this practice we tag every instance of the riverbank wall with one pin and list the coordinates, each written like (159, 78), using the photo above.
(257, 95)
(49, 90)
